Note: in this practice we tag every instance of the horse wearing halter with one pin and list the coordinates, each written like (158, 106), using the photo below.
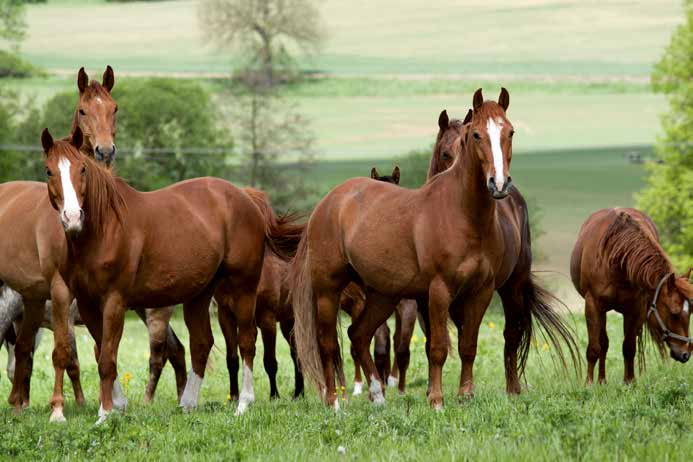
(666, 333)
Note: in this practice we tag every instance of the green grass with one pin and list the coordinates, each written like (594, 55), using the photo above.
(557, 418)
(526, 37)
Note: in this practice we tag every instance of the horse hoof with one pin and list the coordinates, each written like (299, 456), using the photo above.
(358, 388)
(392, 382)
(103, 415)
(243, 406)
(57, 415)
(438, 407)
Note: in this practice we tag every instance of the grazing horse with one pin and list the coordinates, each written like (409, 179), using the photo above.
(522, 298)
(618, 264)
(444, 245)
(125, 248)
(94, 115)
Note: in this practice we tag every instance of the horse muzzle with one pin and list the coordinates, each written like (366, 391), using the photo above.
(499, 193)
(679, 354)
(72, 221)
(105, 155)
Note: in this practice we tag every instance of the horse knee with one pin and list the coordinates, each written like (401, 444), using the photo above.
(593, 352)
(437, 355)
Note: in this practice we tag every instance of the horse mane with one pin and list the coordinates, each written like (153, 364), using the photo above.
(102, 195)
(92, 90)
(436, 166)
(626, 245)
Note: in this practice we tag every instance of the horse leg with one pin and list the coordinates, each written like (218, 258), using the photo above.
(407, 314)
(113, 323)
(24, 350)
(439, 300)
(327, 313)
(513, 331)
(156, 327)
(381, 350)
(361, 332)
(286, 327)
(268, 329)
(73, 371)
(356, 310)
(229, 327)
(475, 306)
(632, 325)
(393, 377)
(244, 304)
(604, 343)
(196, 316)
(175, 352)
(593, 319)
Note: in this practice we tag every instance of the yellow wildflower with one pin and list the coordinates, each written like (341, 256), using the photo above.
(545, 347)
(414, 338)
(125, 379)
(424, 339)
(491, 325)
(228, 397)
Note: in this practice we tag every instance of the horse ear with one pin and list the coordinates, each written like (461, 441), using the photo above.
(504, 99)
(77, 138)
(478, 100)
(46, 140)
(687, 274)
(443, 120)
(108, 80)
(82, 80)
(468, 117)
(395, 174)
(374, 174)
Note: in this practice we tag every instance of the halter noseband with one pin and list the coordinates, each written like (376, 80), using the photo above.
(666, 333)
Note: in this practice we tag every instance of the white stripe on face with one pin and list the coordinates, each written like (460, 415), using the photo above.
(494, 134)
(686, 306)
(71, 211)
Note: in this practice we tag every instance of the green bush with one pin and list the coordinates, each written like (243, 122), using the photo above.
(11, 65)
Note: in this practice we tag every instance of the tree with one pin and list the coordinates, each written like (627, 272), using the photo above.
(12, 22)
(274, 144)
(668, 197)
(265, 30)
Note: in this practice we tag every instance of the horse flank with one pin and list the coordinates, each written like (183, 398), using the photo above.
(626, 245)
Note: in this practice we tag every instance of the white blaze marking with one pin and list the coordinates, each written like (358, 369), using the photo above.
(247, 395)
(358, 388)
(71, 209)
(191, 393)
(376, 391)
(98, 100)
(494, 132)
(686, 306)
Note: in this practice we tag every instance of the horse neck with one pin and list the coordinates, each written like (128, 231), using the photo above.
(464, 184)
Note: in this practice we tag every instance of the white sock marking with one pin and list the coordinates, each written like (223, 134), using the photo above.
(247, 395)
(392, 381)
(191, 393)
(103, 415)
(376, 391)
(57, 415)
(358, 388)
(494, 132)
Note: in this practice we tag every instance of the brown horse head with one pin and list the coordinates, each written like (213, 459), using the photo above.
(96, 115)
(444, 153)
(78, 185)
(491, 141)
(394, 178)
(673, 307)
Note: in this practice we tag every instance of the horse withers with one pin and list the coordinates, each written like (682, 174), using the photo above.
(618, 264)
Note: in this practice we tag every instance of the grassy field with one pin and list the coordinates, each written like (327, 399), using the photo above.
(527, 37)
(557, 418)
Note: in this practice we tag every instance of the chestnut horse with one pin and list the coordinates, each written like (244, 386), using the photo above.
(522, 298)
(126, 248)
(444, 245)
(618, 264)
(95, 115)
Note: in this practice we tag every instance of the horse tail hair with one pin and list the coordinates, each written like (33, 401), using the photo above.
(305, 316)
(539, 303)
(283, 232)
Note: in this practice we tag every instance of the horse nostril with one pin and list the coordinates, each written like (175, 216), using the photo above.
(685, 356)
(491, 184)
(81, 215)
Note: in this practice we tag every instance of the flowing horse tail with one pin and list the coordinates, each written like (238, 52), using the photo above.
(305, 316)
(537, 305)
(283, 232)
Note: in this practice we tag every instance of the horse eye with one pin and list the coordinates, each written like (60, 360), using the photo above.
(81, 112)
(49, 173)
(84, 170)
(446, 156)
(512, 132)
(476, 136)
(116, 110)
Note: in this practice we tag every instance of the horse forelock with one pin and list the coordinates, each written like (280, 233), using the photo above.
(95, 89)
(628, 246)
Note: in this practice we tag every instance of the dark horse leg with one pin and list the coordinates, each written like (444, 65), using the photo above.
(267, 323)
(381, 351)
(24, 348)
(406, 316)
(632, 328)
(379, 308)
(229, 327)
(515, 327)
(596, 323)
(286, 327)
(354, 307)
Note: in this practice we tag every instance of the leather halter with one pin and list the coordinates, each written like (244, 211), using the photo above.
(666, 333)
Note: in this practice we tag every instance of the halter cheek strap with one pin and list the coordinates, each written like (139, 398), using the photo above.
(666, 333)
